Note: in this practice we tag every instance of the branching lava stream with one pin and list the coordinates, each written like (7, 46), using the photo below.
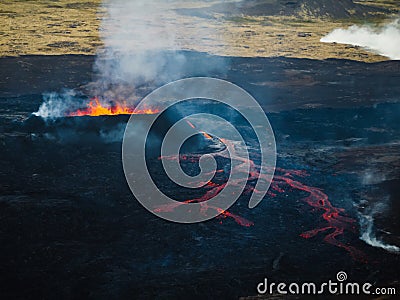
(335, 219)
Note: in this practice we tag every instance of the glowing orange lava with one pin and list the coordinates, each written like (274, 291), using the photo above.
(190, 124)
(95, 108)
(206, 135)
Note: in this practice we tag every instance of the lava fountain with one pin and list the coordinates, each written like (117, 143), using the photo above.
(95, 108)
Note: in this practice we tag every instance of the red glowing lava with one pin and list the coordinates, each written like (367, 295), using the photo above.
(336, 223)
(96, 108)
(205, 134)
(190, 124)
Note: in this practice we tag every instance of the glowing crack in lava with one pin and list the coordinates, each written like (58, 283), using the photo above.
(96, 108)
(336, 221)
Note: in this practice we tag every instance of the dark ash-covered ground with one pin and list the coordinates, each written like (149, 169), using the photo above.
(70, 227)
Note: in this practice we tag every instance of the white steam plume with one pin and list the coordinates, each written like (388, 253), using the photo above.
(136, 35)
(381, 40)
(57, 105)
(143, 42)
(367, 229)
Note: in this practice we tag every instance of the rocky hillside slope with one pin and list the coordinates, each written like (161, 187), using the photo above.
(338, 9)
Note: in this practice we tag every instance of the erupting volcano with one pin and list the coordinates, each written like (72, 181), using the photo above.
(96, 108)
(335, 222)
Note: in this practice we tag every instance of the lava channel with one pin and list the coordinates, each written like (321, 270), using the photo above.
(336, 222)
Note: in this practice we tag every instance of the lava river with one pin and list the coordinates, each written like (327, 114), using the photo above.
(335, 221)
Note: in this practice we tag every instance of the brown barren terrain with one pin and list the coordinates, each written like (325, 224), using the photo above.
(72, 27)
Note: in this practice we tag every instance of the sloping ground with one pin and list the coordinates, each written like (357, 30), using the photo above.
(337, 9)
(334, 9)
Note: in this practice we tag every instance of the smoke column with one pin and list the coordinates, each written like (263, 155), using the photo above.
(367, 227)
(134, 33)
(381, 40)
(143, 40)
(142, 43)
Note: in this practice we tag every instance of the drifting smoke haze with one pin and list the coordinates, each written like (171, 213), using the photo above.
(381, 40)
(143, 43)
(142, 47)
(114, 135)
(56, 105)
(135, 36)
(367, 227)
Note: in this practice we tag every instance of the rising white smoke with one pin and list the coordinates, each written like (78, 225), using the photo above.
(136, 36)
(367, 227)
(133, 33)
(142, 41)
(381, 40)
(57, 105)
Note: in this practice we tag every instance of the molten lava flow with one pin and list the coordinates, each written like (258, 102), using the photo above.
(190, 124)
(95, 108)
(206, 135)
(336, 222)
